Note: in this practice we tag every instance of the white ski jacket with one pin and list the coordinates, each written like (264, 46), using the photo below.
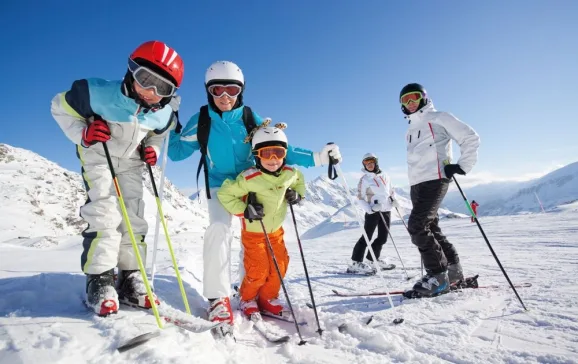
(372, 187)
(429, 144)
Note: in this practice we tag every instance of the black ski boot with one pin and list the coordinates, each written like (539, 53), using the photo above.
(455, 273)
(432, 285)
(101, 296)
(132, 290)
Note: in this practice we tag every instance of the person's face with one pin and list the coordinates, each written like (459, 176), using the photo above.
(225, 95)
(411, 101)
(369, 164)
(225, 102)
(271, 164)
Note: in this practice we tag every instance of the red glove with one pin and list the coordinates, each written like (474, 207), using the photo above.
(150, 156)
(96, 132)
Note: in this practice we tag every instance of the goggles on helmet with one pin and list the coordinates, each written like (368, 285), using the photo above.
(219, 90)
(148, 79)
(273, 152)
(369, 161)
(414, 96)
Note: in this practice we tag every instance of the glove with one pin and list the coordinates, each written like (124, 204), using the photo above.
(97, 131)
(376, 207)
(254, 211)
(149, 156)
(451, 169)
(394, 202)
(175, 103)
(292, 197)
(322, 158)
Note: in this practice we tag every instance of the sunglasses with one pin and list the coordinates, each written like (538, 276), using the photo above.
(220, 90)
(414, 96)
(273, 152)
(369, 161)
(148, 79)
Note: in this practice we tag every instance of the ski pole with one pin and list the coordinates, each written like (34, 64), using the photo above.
(167, 237)
(406, 228)
(488, 242)
(319, 330)
(158, 219)
(132, 238)
(252, 198)
(376, 266)
(393, 242)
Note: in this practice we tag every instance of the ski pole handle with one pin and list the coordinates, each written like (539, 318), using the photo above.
(331, 171)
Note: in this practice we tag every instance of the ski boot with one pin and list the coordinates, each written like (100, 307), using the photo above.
(455, 273)
(220, 311)
(272, 306)
(249, 307)
(382, 264)
(361, 268)
(132, 290)
(432, 285)
(101, 296)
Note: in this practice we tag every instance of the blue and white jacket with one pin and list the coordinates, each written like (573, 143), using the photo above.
(129, 124)
(227, 153)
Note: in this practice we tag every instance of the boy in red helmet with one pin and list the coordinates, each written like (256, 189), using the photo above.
(124, 114)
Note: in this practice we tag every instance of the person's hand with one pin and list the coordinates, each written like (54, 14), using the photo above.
(292, 197)
(150, 156)
(323, 158)
(451, 169)
(95, 132)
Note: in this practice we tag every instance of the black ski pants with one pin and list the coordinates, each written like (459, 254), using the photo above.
(435, 249)
(372, 221)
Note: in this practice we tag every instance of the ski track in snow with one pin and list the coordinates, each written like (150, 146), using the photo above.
(43, 319)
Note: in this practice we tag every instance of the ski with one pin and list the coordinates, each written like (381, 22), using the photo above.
(261, 328)
(177, 322)
(470, 282)
(282, 317)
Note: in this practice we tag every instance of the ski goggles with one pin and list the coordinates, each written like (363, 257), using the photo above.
(369, 161)
(148, 79)
(274, 152)
(219, 90)
(414, 96)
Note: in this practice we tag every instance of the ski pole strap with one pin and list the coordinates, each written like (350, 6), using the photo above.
(331, 171)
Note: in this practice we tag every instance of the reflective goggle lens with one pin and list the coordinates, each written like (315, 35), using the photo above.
(220, 90)
(272, 153)
(148, 79)
(414, 96)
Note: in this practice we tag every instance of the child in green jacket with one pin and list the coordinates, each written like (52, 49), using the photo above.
(275, 185)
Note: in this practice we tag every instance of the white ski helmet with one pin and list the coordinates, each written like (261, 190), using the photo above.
(224, 71)
(268, 136)
(369, 156)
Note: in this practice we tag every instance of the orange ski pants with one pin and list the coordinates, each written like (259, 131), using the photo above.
(261, 278)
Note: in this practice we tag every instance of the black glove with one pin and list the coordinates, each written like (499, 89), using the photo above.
(254, 211)
(292, 197)
(451, 169)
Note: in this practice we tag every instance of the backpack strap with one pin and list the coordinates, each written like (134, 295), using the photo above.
(203, 130)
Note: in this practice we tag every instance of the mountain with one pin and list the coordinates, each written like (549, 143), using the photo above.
(556, 188)
(44, 198)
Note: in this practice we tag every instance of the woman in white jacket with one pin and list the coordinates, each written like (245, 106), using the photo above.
(376, 197)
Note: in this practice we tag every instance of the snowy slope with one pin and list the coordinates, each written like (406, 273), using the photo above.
(42, 319)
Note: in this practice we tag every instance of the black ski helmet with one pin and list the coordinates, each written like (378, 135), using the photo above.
(413, 87)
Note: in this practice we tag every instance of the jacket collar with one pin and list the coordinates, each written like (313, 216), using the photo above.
(228, 116)
(420, 115)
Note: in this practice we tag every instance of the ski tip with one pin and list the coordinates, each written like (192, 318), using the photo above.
(138, 341)
(369, 320)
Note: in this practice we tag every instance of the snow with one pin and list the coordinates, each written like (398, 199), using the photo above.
(43, 319)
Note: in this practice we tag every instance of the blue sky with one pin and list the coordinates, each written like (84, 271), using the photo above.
(331, 70)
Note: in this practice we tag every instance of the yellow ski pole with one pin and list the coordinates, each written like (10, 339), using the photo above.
(168, 239)
(132, 238)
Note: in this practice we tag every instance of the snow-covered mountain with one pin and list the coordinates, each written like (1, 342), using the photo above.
(42, 198)
(505, 198)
